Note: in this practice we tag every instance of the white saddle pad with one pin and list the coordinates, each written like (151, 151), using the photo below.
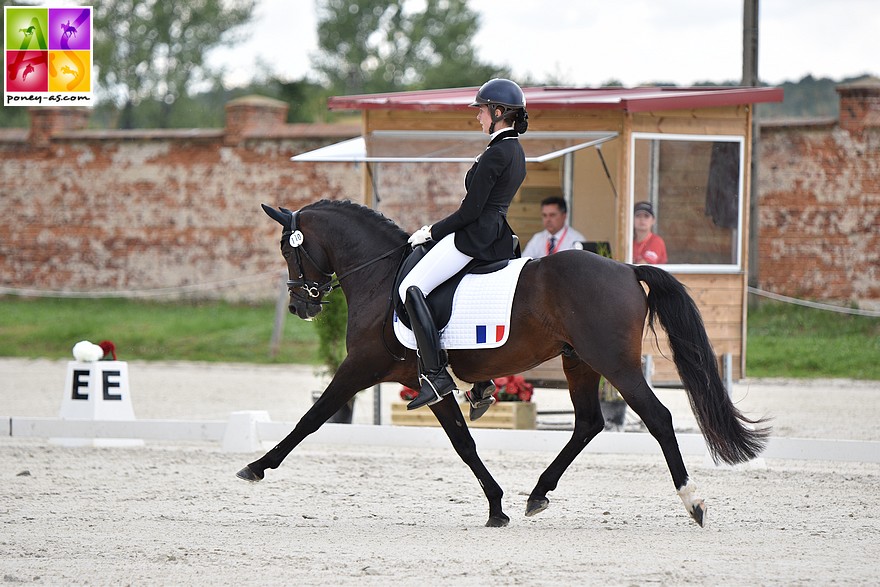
(480, 311)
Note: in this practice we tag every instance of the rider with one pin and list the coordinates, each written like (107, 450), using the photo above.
(477, 230)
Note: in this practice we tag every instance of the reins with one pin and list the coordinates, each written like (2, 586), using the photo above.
(370, 262)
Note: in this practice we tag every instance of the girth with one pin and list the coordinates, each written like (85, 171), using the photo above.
(439, 300)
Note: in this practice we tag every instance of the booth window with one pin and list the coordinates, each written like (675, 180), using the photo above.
(695, 184)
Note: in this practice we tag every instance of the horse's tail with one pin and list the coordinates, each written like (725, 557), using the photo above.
(730, 436)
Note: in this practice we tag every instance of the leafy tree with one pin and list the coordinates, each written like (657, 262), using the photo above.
(154, 50)
(368, 46)
(808, 98)
(307, 99)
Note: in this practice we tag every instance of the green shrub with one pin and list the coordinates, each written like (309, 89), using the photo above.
(330, 325)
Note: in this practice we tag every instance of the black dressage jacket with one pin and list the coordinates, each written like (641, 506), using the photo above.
(480, 223)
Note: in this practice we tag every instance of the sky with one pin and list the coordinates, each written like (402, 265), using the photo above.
(589, 42)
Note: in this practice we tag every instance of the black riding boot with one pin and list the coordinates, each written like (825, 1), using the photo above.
(435, 379)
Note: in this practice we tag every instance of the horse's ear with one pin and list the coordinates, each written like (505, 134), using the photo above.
(279, 217)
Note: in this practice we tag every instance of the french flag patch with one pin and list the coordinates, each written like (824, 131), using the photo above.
(483, 331)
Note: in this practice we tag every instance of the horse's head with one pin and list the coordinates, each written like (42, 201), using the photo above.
(308, 281)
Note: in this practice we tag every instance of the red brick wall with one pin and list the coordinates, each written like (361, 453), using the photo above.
(139, 210)
(819, 204)
(414, 194)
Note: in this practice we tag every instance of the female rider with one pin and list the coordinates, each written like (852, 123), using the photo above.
(477, 230)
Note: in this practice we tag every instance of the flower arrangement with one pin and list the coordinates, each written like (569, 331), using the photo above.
(509, 389)
(513, 389)
(408, 393)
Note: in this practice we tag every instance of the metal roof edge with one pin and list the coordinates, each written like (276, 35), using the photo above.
(686, 100)
(639, 99)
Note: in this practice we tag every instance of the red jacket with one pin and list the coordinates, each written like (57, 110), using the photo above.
(651, 250)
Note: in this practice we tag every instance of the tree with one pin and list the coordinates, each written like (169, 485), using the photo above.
(154, 50)
(368, 46)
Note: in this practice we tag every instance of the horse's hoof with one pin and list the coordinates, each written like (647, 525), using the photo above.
(698, 513)
(536, 506)
(499, 521)
(249, 474)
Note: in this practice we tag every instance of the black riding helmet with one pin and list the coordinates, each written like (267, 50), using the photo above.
(506, 95)
(502, 92)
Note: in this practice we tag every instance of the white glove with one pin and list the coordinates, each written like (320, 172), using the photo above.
(420, 236)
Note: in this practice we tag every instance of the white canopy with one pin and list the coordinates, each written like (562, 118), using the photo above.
(401, 146)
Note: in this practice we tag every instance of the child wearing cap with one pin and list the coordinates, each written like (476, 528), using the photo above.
(647, 246)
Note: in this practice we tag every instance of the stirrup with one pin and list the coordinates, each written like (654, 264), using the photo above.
(480, 401)
(428, 393)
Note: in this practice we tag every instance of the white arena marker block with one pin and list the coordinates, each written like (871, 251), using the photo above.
(97, 390)
(241, 431)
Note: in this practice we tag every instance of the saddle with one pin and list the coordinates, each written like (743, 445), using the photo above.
(440, 300)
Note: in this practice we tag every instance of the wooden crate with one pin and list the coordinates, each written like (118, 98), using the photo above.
(506, 415)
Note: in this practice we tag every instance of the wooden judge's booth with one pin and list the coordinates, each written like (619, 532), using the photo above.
(685, 150)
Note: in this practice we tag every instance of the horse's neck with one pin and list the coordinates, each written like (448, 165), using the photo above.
(365, 243)
(353, 255)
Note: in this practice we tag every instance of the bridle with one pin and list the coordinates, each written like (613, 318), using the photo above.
(314, 290)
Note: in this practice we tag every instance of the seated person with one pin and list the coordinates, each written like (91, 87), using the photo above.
(647, 246)
(556, 236)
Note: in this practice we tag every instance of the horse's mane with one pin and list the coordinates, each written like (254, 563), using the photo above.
(382, 223)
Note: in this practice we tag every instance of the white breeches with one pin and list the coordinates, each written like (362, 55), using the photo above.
(439, 264)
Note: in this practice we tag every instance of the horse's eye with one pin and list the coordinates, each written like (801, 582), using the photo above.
(285, 254)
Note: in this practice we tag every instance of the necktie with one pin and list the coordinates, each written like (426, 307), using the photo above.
(551, 245)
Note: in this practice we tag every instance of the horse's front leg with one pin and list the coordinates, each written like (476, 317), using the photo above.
(351, 377)
(452, 420)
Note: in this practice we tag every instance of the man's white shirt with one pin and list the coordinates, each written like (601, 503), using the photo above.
(539, 244)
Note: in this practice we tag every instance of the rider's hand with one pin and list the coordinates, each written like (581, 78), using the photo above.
(420, 236)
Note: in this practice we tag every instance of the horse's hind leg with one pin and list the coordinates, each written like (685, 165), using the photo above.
(452, 420)
(583, 385)
(657, 418)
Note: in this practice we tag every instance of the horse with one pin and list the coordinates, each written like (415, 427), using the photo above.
(67, 30)
(589, 309)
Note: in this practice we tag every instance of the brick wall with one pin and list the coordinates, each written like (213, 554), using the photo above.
(819, 206)
(414, 194)
(93, 211)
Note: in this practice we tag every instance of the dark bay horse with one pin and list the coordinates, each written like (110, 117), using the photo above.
(589, 309)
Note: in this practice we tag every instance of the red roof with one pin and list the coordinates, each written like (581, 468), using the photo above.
(642, 99)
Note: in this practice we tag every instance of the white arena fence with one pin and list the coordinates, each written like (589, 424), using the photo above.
(253, 431)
